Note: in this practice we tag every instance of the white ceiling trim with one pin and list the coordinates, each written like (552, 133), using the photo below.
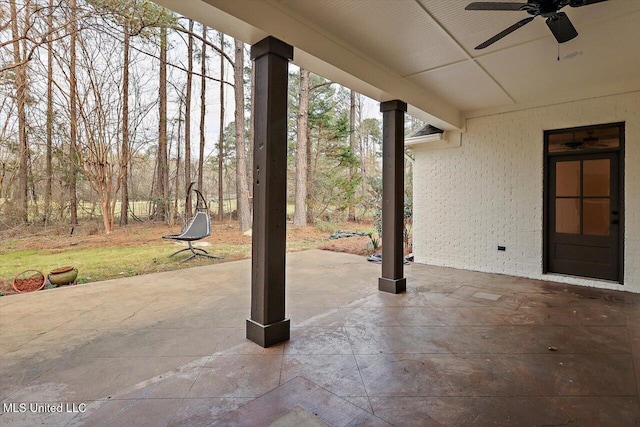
(463, 50)
(484, 112)
(439, 67)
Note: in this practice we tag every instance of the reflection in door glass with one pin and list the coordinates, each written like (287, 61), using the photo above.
(595, 217)
(576, 141)
(568, 216)
(568, 179)
(596, 175)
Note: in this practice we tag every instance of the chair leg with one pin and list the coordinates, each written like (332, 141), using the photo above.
(177, 252)
(195, 254)
(188, 258)
(206, 254)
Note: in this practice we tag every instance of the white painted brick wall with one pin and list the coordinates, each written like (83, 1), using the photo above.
(488, 192)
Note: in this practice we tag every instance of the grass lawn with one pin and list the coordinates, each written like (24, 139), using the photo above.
(137, 249)
(109, 262)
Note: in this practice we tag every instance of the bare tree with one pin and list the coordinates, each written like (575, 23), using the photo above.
(73, 118)
(187, 118)
(221, 137)
(134, 17)
(125, 150)
(351, 215)
(362, 147)
(177, 180)
(302, 151)
(32, 35)
(7, 106)
(162, 177)
(242, 190)
(99, 111)
(20, 82)
(49, 164)
(203, 105)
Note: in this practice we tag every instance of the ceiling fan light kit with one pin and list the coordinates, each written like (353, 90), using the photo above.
(558, 22)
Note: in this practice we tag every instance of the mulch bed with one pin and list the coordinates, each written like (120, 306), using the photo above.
(5, 287)
(350, 245)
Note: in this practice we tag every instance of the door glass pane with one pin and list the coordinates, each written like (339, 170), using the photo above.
(595, 217)
(568, 179)
(568, 216)
(595, 174)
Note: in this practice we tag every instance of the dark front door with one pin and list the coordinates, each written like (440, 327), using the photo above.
(584, 215)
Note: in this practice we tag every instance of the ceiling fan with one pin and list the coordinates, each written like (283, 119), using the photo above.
(558, 22)
(587, 142)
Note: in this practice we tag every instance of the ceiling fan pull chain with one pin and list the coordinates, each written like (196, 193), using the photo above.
(558, 52)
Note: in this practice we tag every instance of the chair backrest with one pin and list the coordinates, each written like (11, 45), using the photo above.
(199, 227)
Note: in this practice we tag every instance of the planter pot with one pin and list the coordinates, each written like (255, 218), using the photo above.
(29, 281)
(63, 275)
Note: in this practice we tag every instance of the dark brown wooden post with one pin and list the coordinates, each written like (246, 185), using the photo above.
(392, 279)
(268, 325)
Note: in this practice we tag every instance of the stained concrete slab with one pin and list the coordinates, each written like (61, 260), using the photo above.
(170, 349)
(298, 417)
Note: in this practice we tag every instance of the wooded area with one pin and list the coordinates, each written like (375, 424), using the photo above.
(99, 118)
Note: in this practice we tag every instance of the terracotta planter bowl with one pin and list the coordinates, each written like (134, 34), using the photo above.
(63, 275)
(29, 281)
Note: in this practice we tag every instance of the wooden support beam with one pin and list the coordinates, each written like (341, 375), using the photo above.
(392, 279)
(268, 325)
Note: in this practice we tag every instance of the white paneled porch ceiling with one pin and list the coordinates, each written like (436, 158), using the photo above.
(422, 51)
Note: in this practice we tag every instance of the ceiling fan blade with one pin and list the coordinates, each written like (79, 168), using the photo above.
(490, 5)
(561, 27)
(504, 33)
(580, 3)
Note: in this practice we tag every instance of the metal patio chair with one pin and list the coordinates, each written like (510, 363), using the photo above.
(198, 227)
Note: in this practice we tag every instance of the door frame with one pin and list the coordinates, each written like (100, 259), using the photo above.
(545, 191)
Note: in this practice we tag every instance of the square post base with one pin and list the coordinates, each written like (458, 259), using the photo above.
(268, 335)
(394, 286)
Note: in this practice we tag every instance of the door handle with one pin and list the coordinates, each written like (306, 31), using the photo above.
(614, 212)
(615, 221)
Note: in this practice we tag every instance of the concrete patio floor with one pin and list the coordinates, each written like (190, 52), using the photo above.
(459, 348)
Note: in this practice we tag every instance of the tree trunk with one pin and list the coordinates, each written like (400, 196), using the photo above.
(31, 183)
(351, 216)
(107, 221)
(203, 106)
(49, 155)
(310, 215)
(221, 138)
(162, 181)
(124, 166)
(21, 93)
(302, 151)
(177, 183)
(187, 120)
(363, 150)
(242, 190)
(73, 118)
